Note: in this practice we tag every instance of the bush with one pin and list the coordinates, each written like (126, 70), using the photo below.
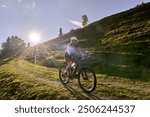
(48, 63)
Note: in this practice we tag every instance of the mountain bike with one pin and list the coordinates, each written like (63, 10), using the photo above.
(86, 77)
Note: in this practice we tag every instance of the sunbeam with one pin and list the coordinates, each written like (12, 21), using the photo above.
(77, 23)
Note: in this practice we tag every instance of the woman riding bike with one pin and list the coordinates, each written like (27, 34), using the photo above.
(75, 69)
(72, 53)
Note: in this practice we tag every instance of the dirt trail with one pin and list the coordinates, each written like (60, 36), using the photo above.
(36, 76)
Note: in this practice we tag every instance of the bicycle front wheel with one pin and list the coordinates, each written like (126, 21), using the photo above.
(87, 80)
(63, 75)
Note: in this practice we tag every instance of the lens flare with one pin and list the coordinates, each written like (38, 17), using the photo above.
(34, 37)
(77, 23)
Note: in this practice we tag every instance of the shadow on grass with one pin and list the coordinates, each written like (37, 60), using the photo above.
(75, 92)
(128, 64)
(81, 96)
(94, 96)
(6, 59)
(136, 74)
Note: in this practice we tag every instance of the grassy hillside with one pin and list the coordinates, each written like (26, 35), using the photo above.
(16, 83)
(120, 42)
(20, 79)
(118, 45)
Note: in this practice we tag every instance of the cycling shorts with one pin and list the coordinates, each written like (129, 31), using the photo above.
(71, 58)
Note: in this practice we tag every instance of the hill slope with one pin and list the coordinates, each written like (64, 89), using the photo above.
(20, 79)
(119, 42)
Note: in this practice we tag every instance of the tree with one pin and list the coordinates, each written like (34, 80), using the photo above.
(13, 44)
(4, 46)
(85, 20)
(60, 32)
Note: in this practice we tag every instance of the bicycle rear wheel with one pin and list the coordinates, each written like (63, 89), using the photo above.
(87, 80)
(63, 75)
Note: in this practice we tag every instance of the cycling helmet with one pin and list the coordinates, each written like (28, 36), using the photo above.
(73, 39)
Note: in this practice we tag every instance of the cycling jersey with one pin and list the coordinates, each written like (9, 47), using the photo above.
(71, 50)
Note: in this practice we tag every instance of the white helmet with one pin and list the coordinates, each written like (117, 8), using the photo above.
(73, 39)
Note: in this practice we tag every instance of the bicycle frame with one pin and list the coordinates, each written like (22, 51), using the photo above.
(83, 76)
(77, 65)
(72, 73)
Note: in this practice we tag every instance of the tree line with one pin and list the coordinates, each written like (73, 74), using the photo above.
(12, 44)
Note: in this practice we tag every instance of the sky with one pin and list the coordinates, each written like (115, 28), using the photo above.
(45, 17)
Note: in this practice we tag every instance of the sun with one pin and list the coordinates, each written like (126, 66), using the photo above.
(34, 37)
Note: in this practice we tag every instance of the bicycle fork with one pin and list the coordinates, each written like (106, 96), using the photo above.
(84, 75)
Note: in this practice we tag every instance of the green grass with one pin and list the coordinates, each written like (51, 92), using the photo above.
(49, 73)
(19, 80)
(17, 85)
(120, 88)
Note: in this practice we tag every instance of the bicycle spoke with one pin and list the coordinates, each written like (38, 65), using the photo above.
(87, 80)
(64, 75)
